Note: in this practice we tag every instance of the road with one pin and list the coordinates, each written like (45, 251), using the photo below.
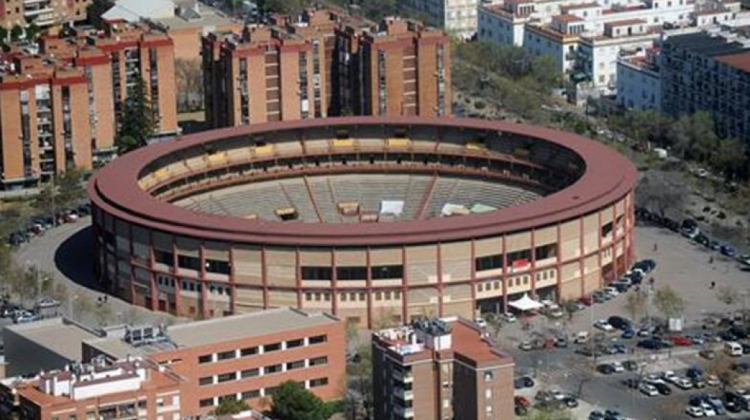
(66, 252)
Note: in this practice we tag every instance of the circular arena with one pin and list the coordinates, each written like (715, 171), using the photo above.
(377, 220)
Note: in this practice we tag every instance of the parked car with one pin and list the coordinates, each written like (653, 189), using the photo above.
(619, 322)
(707, 354)
(679, 340)
(627, 334)
(606, 369)
(662, 388)
(523, 382)
(683, 383)
(481, 323)
(694, 411)
(648, 389)
(509, 317)
(603, 325)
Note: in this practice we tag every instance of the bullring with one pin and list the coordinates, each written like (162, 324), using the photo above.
(372, 219)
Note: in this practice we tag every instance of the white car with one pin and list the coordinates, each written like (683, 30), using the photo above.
(670, 376)
(611, 291)
(654, 379)
(694, 411)
(683, 383)
(708, 410)
(582, 337)
(603, 325)
(619, 368)
(481, 323)
(509, 317)
(25, 318)
(649, 390)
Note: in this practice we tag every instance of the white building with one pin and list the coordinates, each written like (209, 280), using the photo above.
(456, 16)
(586, 38)
(639, 81)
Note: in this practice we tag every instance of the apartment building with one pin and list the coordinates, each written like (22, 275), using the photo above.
(325, 64)
(639, 81)
(43, 13)
(296, 59)
(708, 71)
(130, 388)
(458, 17)
(240, 357)
(440, 368)
(586, 38)
(62, 99)
(406, 70)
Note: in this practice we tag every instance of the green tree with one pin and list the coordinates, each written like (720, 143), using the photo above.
(3, 36)
(729, 157)
(32, 32)
(44, 201)
(694, 137)
(291, 401)
(230, 406)
(636, 304)
(70, 187)
(669, 302)
(138, 123)
(16, 32)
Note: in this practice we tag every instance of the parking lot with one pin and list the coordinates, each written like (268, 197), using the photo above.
(684, 266)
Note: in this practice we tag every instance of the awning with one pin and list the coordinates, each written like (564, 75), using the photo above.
(525, 303)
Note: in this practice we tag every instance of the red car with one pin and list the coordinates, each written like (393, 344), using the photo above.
(679, 340)
(522, 401)
(586, 300)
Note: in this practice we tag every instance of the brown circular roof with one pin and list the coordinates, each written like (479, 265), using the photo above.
(608, 177)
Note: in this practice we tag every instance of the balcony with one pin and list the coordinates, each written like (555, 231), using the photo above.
(404, 394)
(406, 413)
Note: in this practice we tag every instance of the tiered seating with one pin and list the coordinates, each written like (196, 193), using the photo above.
(296, 191)
(324, 199)
(418, 186)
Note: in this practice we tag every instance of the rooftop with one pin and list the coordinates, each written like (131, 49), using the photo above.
(740, 61)
(202, 333)
(461, 337)
(708, 44)
(58, 335)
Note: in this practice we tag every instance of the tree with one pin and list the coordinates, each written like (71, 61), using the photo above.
(669, 302)
(722, 368)
(45, 200)
(729, 157)
(656, 194)
(138, 123)
(103, 314)
(32, 32)
(70, 187)
(727, 295)
(636, 304)
(230, 406)
(3, 36)
(16, 32)
(693, 136)
(82, 306)
(360, 376)
(291, 401)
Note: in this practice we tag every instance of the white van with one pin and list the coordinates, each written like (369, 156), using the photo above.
(733, 349)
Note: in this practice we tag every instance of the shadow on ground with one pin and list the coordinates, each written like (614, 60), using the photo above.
(74, 258)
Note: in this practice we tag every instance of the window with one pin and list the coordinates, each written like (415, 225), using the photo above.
(227, 377)
(272, 369)
(226, 355)
(299, 364)
(489, 262)
(316, 273)
(318, 361)
(318, 339)
(206, 358)
(607, 229)
(216, 266)
(248, 351)
(249, 395)
(295, 343)
(489, 376)
(520, 256)
(268, 348)
(163, 257)
(208, 402)
(250, 373)
(318, 382)
(545, 251)
(205, 381)
(381, 272)
(351, 273)
(190, 263)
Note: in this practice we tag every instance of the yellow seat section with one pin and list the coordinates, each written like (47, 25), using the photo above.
(343, 142)
(394, 142)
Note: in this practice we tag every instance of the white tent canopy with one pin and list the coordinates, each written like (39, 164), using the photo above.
(525, 303)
